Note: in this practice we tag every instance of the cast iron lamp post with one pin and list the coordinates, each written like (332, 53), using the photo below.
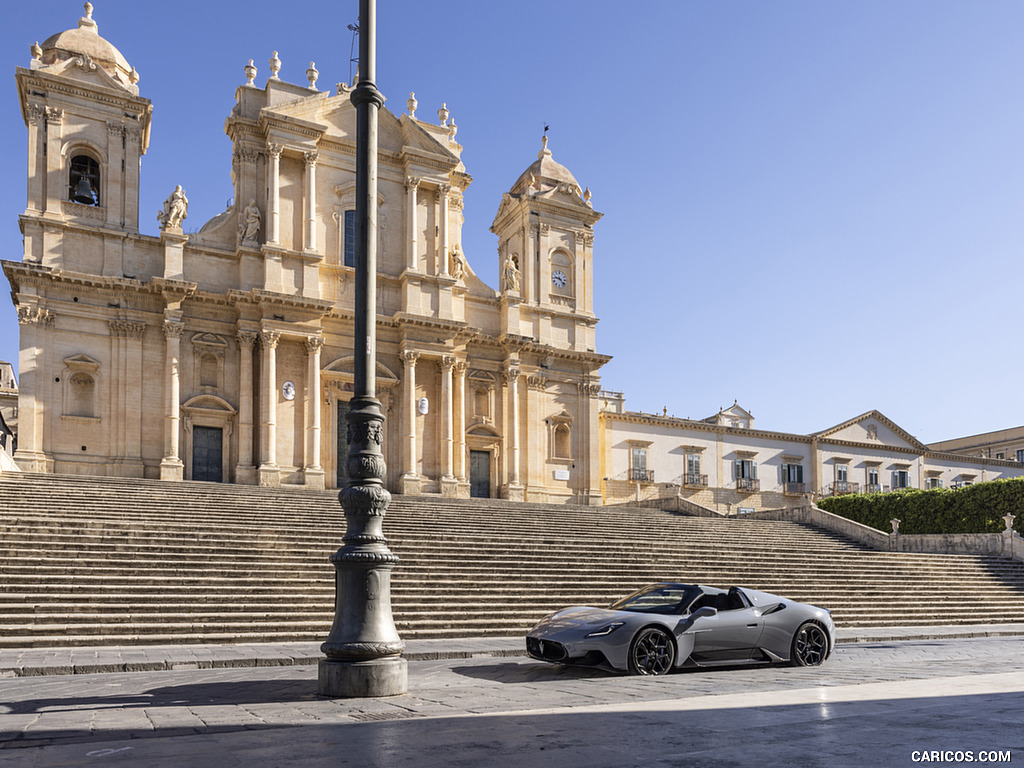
(363, 648)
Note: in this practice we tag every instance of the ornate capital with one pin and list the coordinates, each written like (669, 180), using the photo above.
(580, 238)
(311, 157)
(446, 363)
(173, 329)
(587, 389)
(35, 316)
(246, 339)
(409, 358)
(245, 156)
(461, 366)
(314, 344)
(275, 150)
(412, 182)
(537, 383)
(269, 339)
(127, 328)
(54, 115)
(510, 373)
(115, 129)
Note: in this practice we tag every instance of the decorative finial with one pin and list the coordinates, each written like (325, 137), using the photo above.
(250, 74)
(586, 194)
(87, 20)
(37, 52)
(452, 130)
(544, 151)
(544, 141)
(312, 75)
(411, 104)
(133, 76)
(275, 66)
(442, 113)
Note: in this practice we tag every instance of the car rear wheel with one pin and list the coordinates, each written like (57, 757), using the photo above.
(651, 653)
(810, 646)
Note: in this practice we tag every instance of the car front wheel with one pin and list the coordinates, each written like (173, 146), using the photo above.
(810, 646)
(651, 653)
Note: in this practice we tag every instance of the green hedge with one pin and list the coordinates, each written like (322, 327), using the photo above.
(972, 509)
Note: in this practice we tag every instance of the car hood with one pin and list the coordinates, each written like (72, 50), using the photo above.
(579, 617)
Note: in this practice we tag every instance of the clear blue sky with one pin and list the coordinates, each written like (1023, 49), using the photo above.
(812, 207)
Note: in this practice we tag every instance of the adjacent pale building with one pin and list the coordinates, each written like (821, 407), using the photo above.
(726, 464)
(226, 354)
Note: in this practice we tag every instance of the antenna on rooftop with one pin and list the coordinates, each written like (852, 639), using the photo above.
(353, 56)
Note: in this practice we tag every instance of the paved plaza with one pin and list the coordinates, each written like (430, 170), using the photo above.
(873, 703)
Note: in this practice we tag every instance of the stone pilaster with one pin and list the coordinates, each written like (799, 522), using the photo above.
(245, 470)
(309, 240)
(512, 490)
(411, 214)
(410, 481)
(269, 471)
(33, 384)
(313, 472)
(449, 485)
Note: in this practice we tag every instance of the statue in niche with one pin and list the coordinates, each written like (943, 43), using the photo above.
(510, 274)
(249, 226)
(175, 209)
(458, 263)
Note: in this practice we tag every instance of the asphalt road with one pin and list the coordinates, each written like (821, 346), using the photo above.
(885, 703)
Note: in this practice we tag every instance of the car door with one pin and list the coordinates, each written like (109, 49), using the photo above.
(729, 636)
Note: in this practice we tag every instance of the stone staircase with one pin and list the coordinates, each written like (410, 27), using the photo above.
(91, 561)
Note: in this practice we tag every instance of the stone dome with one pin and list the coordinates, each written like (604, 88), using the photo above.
(85, 40)
(546, 173)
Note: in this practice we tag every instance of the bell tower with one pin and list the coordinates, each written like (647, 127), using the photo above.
(546, 254)
(87, 131)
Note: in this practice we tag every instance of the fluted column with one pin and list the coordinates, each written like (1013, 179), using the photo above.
(269, 472)
(511, 373)
(445, 365)
(314, 472)
(460, 420)
(33, 384)
(442, 198)
(244, 471)
(171, 467)
(411, 213)
(274, 201)
(409, 359)
(310, 234)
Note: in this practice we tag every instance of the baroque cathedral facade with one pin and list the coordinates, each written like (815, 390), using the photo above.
(227, 354)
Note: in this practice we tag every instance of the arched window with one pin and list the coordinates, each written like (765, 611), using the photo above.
(84, 181)
(81, 395)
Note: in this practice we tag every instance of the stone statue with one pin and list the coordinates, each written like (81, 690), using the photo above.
(175, 209)
(249, 226)
(458, 263)
(510, 274)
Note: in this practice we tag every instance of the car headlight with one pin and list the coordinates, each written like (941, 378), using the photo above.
(607, 629)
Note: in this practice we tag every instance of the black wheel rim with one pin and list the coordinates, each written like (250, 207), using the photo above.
(811, 645)
(652, 653)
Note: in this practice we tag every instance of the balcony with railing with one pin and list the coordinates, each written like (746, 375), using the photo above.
(641, 475)
(792, 488)
(748, 485)
(695, 480)
(840, 487)
(874, 488)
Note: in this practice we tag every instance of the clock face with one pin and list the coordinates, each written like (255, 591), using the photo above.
(558, 278)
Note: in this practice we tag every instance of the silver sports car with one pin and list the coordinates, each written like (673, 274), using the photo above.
(664, 626)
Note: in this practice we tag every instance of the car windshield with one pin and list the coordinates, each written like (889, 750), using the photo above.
(658, 598)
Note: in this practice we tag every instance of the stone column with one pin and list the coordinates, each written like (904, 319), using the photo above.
(410, 479)
(134, 367)
(32, 384)
(245, 471)
(442, 199)
(35, 114)
(513, 489)
(273, 203)
(310, 234)
(269, 472)
(412, 250)
(460, 420)
(171, 467)
(449, 487)
(314, 473)
(56, 183)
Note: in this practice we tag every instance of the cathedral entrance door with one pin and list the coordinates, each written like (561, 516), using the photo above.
(208, 454)
(342, 443)
(480, 474)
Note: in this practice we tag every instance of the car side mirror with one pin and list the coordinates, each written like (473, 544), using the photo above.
(705, 611)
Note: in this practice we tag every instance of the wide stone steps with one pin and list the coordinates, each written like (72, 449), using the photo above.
(88, 560)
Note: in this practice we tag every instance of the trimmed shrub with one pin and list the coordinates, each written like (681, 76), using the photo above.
(972, 509)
